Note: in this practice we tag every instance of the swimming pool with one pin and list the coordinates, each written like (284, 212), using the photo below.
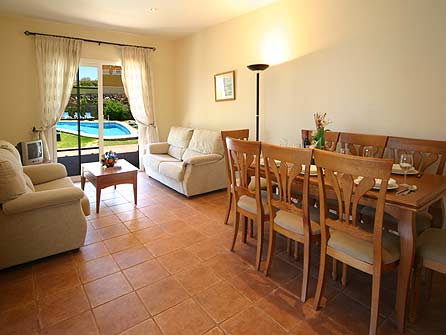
(112, 129)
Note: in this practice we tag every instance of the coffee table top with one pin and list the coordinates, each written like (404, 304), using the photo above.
(96, 169)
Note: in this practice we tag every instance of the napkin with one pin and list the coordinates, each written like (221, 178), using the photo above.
(313, 169)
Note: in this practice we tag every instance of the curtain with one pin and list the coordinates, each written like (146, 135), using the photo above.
(138, 86)
(57, 64)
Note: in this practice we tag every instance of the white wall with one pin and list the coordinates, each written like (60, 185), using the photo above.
(19, 99)
(372, 66)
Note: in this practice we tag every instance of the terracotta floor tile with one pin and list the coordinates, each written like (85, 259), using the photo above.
(20, 320)
(150, 234)
(164, 246)
(56, 282)
(92, 236)
(14, 293)
(97, 268)
(206, 249)
(15, 274)
(106, 221)
(115, 201)
(178, 261)
(56, 264)
(186, 318)
(215, 331)
(145, 273)
(103, 211)
(175, 226)
(197, 279)
(90, 252)
(185, 212)
(82, 324)
(139, 223)
(120, 314)
(121, 243)
(282, 272)
(191, 236)
(252, 321)
(107, 288)
(162, 295)
(158, 214)
(130, 215)
(62, 306)
(321, 325)
(130, 257)
(222, 301)
(147, 327)
(113, 231)
(122, 208)
(227, 265)
(253, 284)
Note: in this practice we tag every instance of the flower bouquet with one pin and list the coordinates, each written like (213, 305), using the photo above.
(109, 159)
(318, 135)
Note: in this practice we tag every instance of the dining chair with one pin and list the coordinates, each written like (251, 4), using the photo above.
(431, 256)
(331, 138)
(283, 165)
(344, 238)
(249, 205)
(356, 143)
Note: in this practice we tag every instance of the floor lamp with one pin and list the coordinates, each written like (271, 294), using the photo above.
(257, 68)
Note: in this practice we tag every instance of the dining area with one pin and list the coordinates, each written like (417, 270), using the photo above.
(372, 203)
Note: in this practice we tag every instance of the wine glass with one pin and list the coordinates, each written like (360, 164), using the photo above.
(367, 151)
(406, 163)
(344, 150)
(283, 142)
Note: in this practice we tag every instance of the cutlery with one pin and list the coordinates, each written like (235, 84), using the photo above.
(402, 190)
(419, 175)
(411, 188)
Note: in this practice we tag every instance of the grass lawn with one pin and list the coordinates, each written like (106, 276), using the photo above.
(70, 141)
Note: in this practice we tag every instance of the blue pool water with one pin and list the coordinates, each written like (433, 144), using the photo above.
(111, 129)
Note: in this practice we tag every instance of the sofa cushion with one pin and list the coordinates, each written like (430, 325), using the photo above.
(29, 183)
(178, 141)
(153, 160)
(12, 181)
(206, 142)
(173, 170)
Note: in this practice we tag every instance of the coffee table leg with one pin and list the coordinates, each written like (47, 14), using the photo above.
(98, 198)
(135, 189)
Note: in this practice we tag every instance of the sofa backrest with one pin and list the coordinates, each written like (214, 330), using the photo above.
(178, 139)
(204, 142)
(12, 180)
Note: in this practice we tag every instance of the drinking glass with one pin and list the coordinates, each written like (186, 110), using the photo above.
(406, 163)
(367, 151)
(283, 142)
(344, 150)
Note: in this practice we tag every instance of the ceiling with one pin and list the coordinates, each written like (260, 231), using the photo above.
(174, 18)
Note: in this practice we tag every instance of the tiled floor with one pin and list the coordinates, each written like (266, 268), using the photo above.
(165, 268)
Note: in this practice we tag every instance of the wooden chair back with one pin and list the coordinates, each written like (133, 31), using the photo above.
(341, 173)
(426, 153)
(284, 164)
(240, 134)
(356, 143)
(244, 155)
(331, 138)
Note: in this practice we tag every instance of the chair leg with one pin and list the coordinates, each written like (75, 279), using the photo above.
(228, 205)
(236, 228)
(374, 313)
(245, 229)
(344, 275)
(296, 250)
(416, 290)
(251, 228)
(334, 271)
(429, 275)
(271, 247)
(288, 246)
(321, 276)
(306, 274)
(260, 232)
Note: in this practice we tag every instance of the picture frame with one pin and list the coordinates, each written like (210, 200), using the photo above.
(224, 86)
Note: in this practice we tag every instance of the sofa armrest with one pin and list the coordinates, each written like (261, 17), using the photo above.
(158, 148)
(43, 173)
(35, 200)
(201, 160)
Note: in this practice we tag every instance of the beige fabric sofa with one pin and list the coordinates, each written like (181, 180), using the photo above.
(191, 161)
(42, 212)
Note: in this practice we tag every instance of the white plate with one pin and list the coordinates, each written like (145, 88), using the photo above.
(396, 169)
(313, 170)
(392, 185)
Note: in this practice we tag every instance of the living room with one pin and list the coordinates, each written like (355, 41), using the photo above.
(155, 256)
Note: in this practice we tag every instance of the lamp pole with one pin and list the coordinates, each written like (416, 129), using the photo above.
(257, 68)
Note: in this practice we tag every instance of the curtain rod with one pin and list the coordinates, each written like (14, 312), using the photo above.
(29, 33)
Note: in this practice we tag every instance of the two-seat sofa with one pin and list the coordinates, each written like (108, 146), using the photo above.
(42, 212)
(191, 161)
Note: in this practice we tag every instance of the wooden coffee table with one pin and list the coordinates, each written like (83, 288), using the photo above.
(122, 173)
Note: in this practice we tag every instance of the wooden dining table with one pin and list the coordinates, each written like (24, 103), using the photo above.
(404, 208)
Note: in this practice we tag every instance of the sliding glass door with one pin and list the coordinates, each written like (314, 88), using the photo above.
(82, 133)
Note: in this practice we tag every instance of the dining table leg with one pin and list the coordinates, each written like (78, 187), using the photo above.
(406, 229)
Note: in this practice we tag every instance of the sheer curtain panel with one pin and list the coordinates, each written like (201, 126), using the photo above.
(57, 64)
(138, 86)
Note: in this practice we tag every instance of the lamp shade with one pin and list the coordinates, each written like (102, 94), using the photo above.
(258, 67)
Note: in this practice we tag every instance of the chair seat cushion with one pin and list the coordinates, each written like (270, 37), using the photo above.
(293, 222)
(363, 250)
(249, 203)
(432, 245)
(173, 170)
(422, 220)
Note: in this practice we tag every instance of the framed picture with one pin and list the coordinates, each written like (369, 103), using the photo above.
(224, 86)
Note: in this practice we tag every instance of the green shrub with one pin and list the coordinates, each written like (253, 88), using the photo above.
(115, 110)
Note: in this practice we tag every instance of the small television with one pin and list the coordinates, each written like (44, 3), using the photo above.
(31, 152)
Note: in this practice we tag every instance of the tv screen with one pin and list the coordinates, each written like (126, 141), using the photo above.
(34, 150)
